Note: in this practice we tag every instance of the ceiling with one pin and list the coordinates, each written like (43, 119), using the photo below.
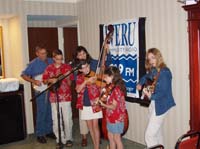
(49, 17)
(66, 1)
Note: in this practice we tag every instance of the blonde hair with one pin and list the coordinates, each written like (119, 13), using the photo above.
(159, 59)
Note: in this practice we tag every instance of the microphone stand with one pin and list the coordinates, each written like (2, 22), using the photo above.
(55, 87)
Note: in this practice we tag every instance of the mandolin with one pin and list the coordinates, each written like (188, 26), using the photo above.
(53, 86)
(57, 83)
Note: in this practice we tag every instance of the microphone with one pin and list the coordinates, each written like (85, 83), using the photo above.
(80, 63)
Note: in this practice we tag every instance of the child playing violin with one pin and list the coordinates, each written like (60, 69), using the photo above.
(115, 106)
(64, 97)
(81, 53)
(88, 93)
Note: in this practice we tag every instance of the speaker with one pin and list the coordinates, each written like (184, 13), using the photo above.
(12, 117)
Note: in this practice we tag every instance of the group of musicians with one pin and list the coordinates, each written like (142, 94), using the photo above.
(93, 98)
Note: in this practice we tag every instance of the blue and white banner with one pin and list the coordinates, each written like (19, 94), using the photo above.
(124, 48)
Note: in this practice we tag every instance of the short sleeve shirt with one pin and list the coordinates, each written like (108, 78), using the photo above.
(64, 90)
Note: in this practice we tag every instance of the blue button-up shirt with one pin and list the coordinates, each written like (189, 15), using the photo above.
(36, 67)
(163, 90)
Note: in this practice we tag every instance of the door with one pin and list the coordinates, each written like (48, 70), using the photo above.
(70, 45)
(45, 37)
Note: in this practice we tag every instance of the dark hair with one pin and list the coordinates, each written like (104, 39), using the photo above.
(117, 78)
(56, 52)
(78, 50)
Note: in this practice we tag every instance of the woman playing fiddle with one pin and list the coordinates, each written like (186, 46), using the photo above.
(115, 106)
(88, 92)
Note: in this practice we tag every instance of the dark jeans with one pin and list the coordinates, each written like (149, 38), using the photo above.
(43, 118)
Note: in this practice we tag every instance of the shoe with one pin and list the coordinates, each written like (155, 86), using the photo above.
(59, 146)
(84, 142)
(41, 139)
(69, 143)
(51, 135)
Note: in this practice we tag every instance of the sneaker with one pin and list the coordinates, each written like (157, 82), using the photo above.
(69, 143)
(41, 139)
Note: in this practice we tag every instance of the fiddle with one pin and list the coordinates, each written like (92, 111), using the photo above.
(106, 92)
(98, 81)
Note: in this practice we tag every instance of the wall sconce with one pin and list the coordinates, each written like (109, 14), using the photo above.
(188, 2)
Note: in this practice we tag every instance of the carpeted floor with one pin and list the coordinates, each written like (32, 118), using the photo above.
(31, 143)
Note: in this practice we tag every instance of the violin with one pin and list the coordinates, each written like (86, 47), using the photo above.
(99, 81)
(106, 92)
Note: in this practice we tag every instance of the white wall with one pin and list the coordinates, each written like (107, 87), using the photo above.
(166, 29)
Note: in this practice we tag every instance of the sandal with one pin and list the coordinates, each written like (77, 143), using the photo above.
(69, 143)
(84, 142)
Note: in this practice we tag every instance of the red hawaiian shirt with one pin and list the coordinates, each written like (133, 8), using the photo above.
(93, 94)
(118, 114)
(64, 90)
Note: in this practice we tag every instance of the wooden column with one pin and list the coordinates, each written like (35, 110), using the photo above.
(194, 62)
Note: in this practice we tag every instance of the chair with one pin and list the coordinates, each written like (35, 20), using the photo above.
(158, 146)
(188, 141)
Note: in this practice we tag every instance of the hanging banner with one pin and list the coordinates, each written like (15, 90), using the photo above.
(125, 51)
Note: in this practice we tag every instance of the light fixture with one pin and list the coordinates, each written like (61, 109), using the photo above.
(188, 2)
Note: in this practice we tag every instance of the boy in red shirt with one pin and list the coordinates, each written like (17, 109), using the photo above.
(50, 76)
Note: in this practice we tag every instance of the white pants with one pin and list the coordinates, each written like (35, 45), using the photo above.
(153, 133)
(83, 125)
(65, 121)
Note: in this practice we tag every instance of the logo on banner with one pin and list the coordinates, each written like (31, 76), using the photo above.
(124, 49)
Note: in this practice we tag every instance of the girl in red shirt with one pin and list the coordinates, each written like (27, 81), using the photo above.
(88, 94)
(115, 106)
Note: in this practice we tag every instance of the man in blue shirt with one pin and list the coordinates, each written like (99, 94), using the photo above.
(33, 74)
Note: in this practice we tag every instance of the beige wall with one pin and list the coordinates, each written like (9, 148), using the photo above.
(166, 29)
(13, 14)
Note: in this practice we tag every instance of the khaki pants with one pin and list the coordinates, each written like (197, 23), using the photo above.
(65, 121)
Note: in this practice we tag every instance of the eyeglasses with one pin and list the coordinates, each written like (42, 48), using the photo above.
(58, 59)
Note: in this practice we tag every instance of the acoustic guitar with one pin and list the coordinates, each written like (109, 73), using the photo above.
(149, 85)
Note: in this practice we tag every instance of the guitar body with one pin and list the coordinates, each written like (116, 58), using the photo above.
(42, 87)
(150, 88)
(55, 86)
